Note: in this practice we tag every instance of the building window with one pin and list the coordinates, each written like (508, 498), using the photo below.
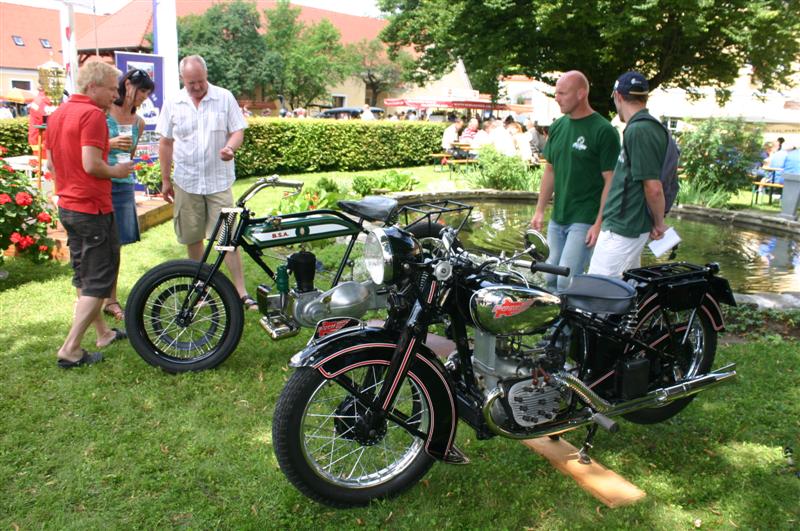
(45, 43)
(20, 84)
(18, 40)
(339, 101)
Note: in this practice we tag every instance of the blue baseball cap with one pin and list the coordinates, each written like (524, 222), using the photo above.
(632, 83)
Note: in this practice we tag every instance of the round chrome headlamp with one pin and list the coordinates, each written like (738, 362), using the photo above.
(378, 256)
(386, 250)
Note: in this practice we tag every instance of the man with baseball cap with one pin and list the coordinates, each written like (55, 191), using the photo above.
(634, 209)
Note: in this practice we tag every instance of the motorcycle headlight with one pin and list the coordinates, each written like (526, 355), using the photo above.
(378, 256)
(385, 250)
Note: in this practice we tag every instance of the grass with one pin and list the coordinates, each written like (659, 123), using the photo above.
(124, 445)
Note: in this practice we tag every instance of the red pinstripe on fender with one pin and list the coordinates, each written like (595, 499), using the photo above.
(413, 376)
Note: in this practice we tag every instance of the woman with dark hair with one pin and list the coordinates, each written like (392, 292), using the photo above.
(124, 129)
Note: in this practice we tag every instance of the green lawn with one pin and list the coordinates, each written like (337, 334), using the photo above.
(124, 445)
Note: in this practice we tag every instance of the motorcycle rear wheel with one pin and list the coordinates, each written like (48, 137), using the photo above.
(152, 318)
(694, 359)
(327, 450)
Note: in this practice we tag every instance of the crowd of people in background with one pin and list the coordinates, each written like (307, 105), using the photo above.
(782, 157)
(464, 138)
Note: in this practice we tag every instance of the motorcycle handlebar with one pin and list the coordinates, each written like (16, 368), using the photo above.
(265, 182)
(549, 268)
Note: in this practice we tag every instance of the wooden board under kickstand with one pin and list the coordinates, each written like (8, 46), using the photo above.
(602, 483)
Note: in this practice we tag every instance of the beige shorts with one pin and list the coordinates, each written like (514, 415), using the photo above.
(195, 214)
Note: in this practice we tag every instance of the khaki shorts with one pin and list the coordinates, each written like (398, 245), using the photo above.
(195, 214)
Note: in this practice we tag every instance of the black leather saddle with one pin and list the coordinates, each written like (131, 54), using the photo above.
(372, 208)
(599, 294)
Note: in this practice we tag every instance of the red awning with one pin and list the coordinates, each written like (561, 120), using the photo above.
(444, 103)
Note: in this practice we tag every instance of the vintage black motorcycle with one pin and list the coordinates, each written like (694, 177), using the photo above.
(369, 409)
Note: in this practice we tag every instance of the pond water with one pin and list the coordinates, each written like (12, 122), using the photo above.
(752, 261)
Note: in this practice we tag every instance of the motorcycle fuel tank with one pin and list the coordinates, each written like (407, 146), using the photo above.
(512, 310)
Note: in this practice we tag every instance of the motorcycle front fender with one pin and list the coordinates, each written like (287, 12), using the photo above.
(352, 348)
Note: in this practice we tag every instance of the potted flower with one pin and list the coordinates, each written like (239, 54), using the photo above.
(148, 172)
(24, 215)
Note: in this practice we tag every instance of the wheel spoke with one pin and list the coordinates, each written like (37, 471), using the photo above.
(342, 449)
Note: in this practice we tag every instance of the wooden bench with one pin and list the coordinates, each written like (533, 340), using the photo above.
(460, 164)
(756, 190)
(440, 160)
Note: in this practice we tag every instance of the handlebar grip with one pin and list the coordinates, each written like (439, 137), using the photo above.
(290, 184)
(549, 268)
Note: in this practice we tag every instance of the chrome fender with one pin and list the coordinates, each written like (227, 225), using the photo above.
(349, 349)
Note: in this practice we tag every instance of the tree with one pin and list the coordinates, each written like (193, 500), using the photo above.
(680, 43)
(377, 70)
(302, 61)
(227, 36)
(720, 155)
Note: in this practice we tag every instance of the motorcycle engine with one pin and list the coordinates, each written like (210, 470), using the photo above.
(348, 299)
(505, 362)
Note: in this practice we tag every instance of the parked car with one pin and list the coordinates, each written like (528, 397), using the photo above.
(354, 112)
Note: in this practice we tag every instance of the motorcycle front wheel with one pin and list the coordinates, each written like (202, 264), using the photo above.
(331, 448)
(178, 340)
(680, 360)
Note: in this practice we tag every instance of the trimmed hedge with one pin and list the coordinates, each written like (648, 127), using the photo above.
(274, 145)
(14, 136)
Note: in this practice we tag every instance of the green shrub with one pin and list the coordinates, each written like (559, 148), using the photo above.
(720, 154)
(273, 145)
(697, 193)
(392, 180)
(329, 185)
(503, 172)
(14, 136)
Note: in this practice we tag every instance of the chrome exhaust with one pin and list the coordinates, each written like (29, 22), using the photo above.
(657, 398)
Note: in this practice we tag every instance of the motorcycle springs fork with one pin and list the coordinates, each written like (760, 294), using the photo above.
(629, 321)
(226, 230)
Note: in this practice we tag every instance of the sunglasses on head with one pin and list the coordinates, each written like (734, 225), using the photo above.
(138, 75)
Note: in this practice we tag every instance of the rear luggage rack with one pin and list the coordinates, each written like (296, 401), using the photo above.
(673, 271)
(432, 212)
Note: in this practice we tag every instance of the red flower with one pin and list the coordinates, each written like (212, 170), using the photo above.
(5, 198)
(33, 162)
(138, 167)
(3, 150)
(15, 237)
(48, 176)
(23, 198)
(25, 242)
(44, 217)
(145, 156)
(43, 248)
(8, 168)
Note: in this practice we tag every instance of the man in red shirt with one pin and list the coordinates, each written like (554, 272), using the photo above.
(77, 150)
(36, 113)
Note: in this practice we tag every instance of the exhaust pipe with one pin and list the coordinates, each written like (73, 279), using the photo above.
(657, 398)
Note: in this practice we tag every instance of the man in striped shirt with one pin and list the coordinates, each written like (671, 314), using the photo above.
(201, 129)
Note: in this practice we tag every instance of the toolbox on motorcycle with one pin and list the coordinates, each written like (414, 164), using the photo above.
(680, 285)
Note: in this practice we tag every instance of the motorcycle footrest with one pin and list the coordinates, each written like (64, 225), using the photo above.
(606, 423)
(278, 327)
(456, 457)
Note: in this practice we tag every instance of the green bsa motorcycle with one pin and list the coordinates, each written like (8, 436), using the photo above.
(184, 315)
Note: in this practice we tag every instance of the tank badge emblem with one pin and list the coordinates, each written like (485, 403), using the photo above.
(509, 308)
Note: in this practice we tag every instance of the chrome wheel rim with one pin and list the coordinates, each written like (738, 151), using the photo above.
(334, 454)
(195, 340)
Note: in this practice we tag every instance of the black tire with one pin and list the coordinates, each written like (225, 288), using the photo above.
(694, 359)
(301, 441)
(209, 337)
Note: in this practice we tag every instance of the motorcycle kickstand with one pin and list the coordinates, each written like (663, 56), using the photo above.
(583, 453)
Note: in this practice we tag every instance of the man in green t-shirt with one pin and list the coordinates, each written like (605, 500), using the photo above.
(634, 209)
(581, 151)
